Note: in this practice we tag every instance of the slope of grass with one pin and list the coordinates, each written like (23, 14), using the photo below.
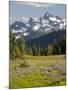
(51, 57)
(40, 71)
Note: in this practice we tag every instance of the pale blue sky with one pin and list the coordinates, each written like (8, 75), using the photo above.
(18, 10)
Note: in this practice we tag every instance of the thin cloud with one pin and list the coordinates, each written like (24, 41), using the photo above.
(25, 18)
(35, 4)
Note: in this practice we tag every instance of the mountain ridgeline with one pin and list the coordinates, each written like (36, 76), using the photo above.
(44, 40)
(38, 36)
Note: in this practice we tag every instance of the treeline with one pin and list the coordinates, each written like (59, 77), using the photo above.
(55, 48)
(20, 49)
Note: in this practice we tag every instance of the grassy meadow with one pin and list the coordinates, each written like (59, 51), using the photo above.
(39, 71)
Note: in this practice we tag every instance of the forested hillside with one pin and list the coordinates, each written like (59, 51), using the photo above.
(55, 47)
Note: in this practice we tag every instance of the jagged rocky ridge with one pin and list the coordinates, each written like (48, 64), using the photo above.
(37, 27)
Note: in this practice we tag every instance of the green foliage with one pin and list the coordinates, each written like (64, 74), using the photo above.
(17, 51)
(50, 49)
(12, 44)
(62, 44)
(39, 51)
(21, 45)
(58, 47)
(30, 51)
(62, 83)
(17, 48)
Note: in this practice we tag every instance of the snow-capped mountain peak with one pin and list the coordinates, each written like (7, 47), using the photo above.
(38, 26)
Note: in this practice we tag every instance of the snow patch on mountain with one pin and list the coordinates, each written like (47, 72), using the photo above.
(25, 33)
(16, 31)
(53, 18)
(36, 27)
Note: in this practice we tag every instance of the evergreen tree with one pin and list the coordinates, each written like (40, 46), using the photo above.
(33, 50)
(45, 52)
(39, 51)
(62, 44)
(55, 50)
(12, 44)
(30, 51)
(27, 49)
(21, 45)
(50, 49)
